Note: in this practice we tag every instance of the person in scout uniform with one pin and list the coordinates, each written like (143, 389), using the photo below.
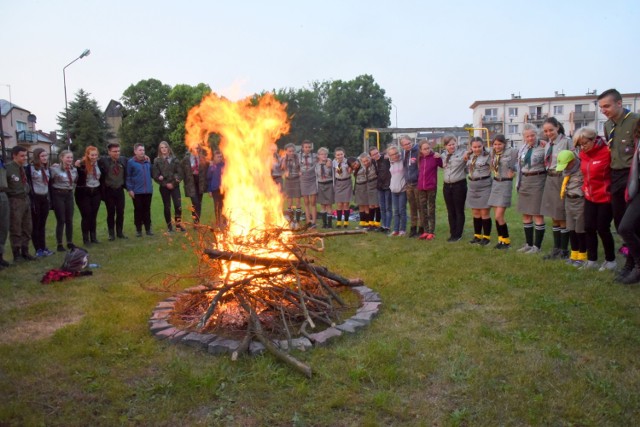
(290, 166)
(618, 130)
(20, 225)
(308, 183)
(88, 194)
(532, 175)
(4, 214)
(113, 183)
(479, 191)
(551, 205)
(194, 174)
(342, 188)
(39, 178)
(324, 176)
(64, 177)
(454, 188)
(573, 196)
(503, 167)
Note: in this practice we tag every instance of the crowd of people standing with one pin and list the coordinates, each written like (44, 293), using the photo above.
(582, 184)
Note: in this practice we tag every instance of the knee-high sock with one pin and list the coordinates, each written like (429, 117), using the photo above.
(539, 235)
(528, 232)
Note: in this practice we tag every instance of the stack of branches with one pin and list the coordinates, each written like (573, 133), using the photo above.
(275, 297)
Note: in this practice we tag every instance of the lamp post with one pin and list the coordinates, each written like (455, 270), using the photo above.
(86, 52)
(394, 106)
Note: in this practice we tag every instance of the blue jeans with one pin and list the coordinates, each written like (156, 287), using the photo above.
(399, 211)
(386, 209)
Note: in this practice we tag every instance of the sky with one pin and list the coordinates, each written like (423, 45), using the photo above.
(433, 59)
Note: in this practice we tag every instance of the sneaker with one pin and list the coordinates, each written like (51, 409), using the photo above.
(475, 240)
(423, 236)
(633, 277)
(589, 265)
(401, 233)
(555, 253)
(454, 239)
(394, 234)
(576, 263)
(525, 248)
(40, 253)
(312, 226)
(430, 236)
(502, 245)
(138, 233)
(533, 250)
(149, 233)
(47, 252)
(608, 265)
(484, 242)
(60, 248)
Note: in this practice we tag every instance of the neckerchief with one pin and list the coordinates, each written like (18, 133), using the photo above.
(474, 159)
(527, 157)
(548, 155)
(69, 177)
(495, 163)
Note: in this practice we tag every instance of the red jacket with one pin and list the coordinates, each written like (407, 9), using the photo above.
(428, 171)
(595, 165)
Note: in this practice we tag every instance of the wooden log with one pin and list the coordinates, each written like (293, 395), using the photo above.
(328, 234)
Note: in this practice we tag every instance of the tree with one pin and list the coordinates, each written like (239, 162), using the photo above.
(144, 117)
(181, 99)
(86, 124)
(351, 107)
(305, 107)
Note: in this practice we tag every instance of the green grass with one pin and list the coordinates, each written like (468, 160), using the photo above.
(466, 336)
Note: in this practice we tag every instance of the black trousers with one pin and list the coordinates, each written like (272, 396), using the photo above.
(142, 211)
(618, 186)
(167, 196)
(455, 195)
(597, 222)
(40, 207)
(218, 205)
(88, 201)
(114, 200)
(629, 228)
(63, 208)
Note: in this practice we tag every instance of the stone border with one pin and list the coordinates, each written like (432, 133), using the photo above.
(215, 344)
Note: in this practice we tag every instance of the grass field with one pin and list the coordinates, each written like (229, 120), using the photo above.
(466, 336)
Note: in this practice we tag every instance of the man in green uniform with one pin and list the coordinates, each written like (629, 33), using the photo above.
(19, 205)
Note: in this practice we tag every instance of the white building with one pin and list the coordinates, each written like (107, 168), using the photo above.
(507, 116)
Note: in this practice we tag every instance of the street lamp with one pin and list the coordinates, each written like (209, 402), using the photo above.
(86, 52)
(394, 106)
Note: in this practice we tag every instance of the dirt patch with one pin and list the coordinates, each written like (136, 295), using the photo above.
(30, 330)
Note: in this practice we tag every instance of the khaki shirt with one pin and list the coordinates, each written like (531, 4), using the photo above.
(621, 145)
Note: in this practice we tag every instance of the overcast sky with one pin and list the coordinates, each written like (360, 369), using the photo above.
(434, 59)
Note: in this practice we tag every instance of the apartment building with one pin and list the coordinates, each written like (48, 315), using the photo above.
(508, 116)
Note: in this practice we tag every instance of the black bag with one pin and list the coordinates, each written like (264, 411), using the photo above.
(75, 260)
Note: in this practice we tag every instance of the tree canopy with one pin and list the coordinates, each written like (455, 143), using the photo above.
(86, 124)
(181, 99)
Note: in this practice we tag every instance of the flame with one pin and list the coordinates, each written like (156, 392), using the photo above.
(248, 130)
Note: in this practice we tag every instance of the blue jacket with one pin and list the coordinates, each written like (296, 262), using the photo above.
(214, 176)
(139, 176)
(410, 163)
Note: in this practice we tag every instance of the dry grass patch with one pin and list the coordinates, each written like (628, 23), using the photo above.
(25, 331)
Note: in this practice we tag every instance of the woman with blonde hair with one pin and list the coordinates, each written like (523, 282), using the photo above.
(38, 176)
(88, 194)
(167, 173)
(64, 177)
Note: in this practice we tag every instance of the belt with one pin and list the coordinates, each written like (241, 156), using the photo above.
(343, 179)
(457, 182)
(553, 173)
(62, 190)
(495, 178)
(479, 179)
(325, 182)
(569, 196)
(534, 173)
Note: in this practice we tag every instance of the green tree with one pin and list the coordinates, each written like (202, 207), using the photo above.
(145, 107)
(86, 124)
(305, 107)
(350, 107)
(181, 99)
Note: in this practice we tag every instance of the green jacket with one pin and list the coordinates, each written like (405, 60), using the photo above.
(189, 183)
(622, 144)
(14, 180)
(170, 170)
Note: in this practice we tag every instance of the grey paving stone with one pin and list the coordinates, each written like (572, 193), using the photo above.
(158, 325)
(195, 339)
(321, 338)
(256, 347)
(222, 346)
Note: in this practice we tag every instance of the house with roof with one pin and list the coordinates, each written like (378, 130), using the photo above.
(18, 127)
(508, 116)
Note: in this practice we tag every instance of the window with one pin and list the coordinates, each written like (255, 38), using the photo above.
(512, 128)
(581, 125)
(627, 106)
(582, 108)
(20, 126)
(558, 110)
(513, 111)
(535, 112)
(490, 111)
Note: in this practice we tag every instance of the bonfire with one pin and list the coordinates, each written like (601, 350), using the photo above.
(258, 280)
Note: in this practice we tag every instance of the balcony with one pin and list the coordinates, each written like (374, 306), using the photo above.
(490, 119)
(588, 116)
(535, 118)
